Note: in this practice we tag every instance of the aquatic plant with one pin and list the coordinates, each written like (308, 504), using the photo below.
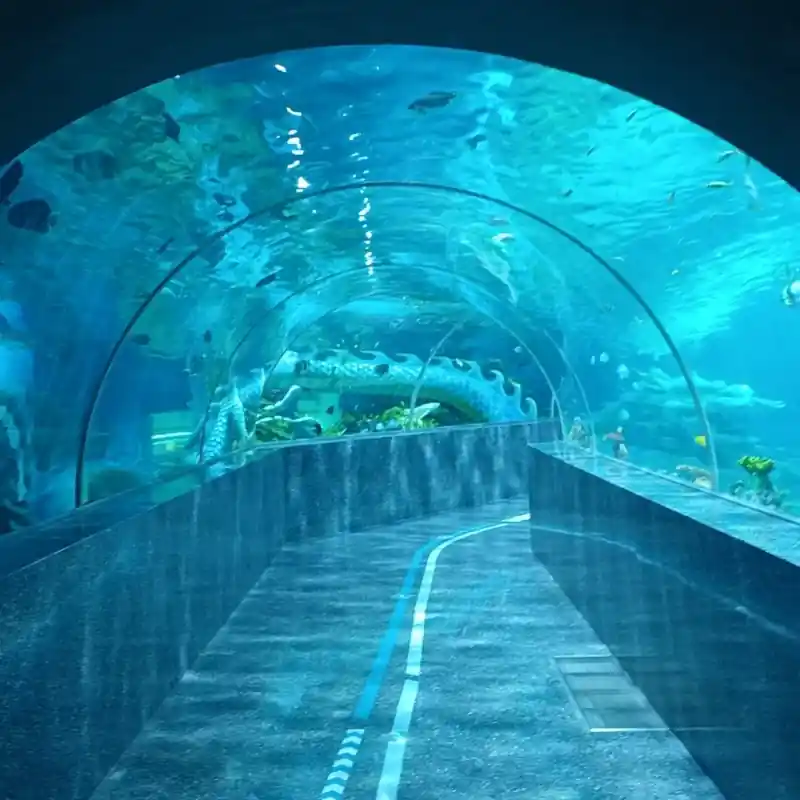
(759, 469)
(273, 429)
(336, 429)
(406, 419)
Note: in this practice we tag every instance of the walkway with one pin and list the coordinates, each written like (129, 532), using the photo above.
(318, 688)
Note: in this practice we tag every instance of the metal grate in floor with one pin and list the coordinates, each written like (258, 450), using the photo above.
(605, 696)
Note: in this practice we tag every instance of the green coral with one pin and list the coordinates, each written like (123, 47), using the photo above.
(759, 468)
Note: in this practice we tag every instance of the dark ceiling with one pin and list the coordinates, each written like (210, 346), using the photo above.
(731, 67)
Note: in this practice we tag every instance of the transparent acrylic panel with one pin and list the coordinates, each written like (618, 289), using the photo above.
(337, 359)
(78, 241)
(360, 367)
(700, 231)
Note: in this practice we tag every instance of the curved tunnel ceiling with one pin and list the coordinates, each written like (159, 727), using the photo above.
(605, 166)
(706, 61)
(368, 269)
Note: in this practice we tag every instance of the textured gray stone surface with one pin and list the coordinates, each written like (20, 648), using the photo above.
(702, 618)
(94, 636)
(371, 480)
(264, 709)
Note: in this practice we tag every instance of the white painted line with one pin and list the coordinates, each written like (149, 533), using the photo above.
(414, 660)
(343, 764)
(519, 518)
(392, 771)
(396, 749)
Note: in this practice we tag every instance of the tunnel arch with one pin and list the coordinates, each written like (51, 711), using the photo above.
(516, 331)
(281, 207)
(515, 334)
(355, 272)
(298, 334)
(703, 65)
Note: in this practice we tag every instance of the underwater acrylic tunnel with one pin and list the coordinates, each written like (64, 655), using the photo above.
(557, 287)
(694, 238)
(482, 302)
(502, 401)
(488, 393)
(281, 211)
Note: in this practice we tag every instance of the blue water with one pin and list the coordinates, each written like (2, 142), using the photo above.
(611, 193)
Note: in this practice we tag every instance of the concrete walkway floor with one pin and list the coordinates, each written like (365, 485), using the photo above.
(420, 662)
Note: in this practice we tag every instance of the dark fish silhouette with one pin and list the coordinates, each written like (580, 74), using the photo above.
(141, 339)
(95, 165)
(381, 369)
(10, 181)
(171, 128)
(432, 100)
(474, 141)
(163, 249)
(32, 215)
(207, 337)
(224, 200)
(329, 410)
(267, 280)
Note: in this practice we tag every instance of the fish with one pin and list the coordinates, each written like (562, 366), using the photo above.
(95, 165)
(752, 190)
(603, 359)
(267, 280)
(225, 216)
(623, 372)
(140, 339)
(381, 369)
(172, 130)
(719, 185)
(567, 192)
(725, 155)
(474, 141)
(701, 440)
(591, 150)
(10, 180)
(224, 200)
(632, 115)
(32, 215)
(436, 99)
(207, 337)
(163, 249)
(671, 198)
(329, 410)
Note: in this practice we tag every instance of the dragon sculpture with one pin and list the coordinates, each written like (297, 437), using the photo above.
(482, 394)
